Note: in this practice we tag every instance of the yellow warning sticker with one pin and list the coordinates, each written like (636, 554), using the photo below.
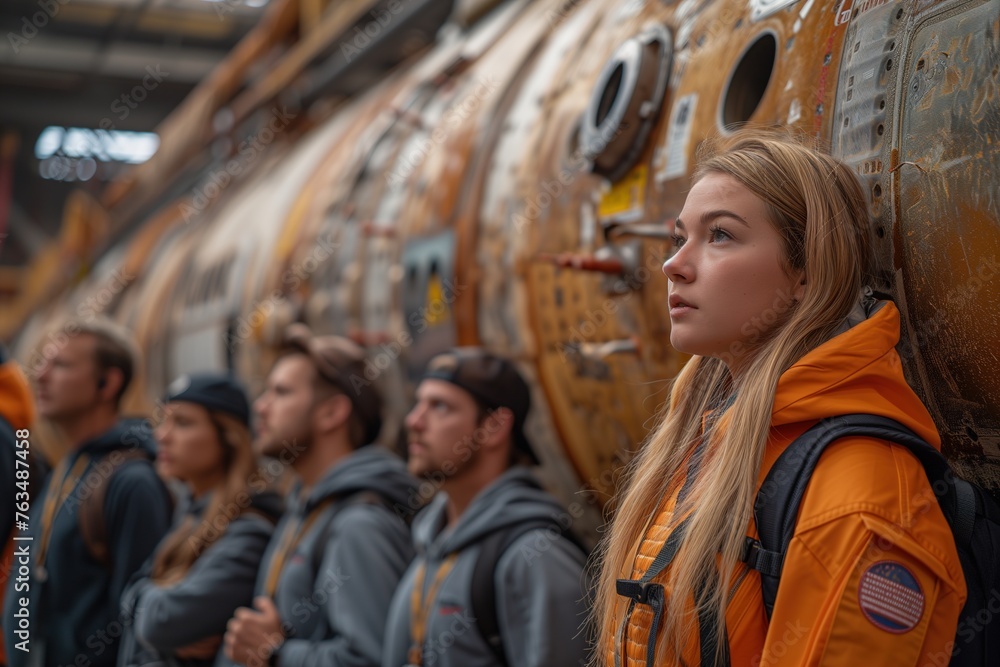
(437, 302)
(624, 201)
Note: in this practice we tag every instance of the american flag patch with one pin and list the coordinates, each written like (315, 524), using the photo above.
(890, 597)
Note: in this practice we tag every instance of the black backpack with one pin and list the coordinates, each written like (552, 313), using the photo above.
(974, 517)
(484, 594)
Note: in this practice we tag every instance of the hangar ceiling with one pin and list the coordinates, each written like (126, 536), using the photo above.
(93, 64)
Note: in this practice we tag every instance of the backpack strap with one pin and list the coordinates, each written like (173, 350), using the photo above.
(484, 593)
(90, 517)
(645, 591)
(362, 497)
(263, 514)
(776, 507)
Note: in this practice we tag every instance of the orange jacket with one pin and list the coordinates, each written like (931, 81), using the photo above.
(16, 404)
(871, 576)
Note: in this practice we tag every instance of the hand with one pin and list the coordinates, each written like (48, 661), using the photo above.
(252, 635)
(205, 649)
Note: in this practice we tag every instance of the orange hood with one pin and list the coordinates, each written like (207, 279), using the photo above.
(856, 371)
(16, 404)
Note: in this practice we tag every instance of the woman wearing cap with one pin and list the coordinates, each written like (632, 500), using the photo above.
(175, 610)
(768, 286)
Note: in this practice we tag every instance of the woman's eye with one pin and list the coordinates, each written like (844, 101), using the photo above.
(676, 241)
(718, 234)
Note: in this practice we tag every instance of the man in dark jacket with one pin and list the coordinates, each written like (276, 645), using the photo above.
(328, 575)
(466, 434)
(74, 583)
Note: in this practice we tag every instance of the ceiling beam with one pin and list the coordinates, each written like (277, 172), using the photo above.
(121, 59)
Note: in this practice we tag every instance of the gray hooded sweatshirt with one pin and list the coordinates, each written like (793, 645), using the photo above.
(335, 586)
(158, 620)
(539, 582)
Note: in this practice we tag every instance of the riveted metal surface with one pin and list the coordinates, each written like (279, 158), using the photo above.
(948, 224)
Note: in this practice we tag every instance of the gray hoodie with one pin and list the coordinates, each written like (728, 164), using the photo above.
(334, 589)
(540, 584)
(157, 620)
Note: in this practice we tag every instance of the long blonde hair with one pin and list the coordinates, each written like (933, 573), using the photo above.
(183, 546)
(817, 206)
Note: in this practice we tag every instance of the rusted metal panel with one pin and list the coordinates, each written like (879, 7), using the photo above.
(948, 227)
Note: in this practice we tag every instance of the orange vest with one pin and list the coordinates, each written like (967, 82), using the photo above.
(871, 576)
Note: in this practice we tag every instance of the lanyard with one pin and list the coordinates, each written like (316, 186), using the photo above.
(290, 537)
(420, 611)
(55, 498)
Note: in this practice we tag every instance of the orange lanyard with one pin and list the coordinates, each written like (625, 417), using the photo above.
(290, 537)
(55, 498)
(419, 611)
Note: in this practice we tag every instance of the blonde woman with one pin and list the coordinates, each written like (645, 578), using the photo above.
(768, 291)
(175, 611)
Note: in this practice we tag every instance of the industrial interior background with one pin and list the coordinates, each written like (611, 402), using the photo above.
(420, 173)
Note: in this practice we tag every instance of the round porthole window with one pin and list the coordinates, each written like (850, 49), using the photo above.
(748, 82)
(626, 102)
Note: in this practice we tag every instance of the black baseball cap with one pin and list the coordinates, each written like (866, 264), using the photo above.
(214, 391)
(493, 380)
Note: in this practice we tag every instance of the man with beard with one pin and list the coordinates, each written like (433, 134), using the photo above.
(327, 577)
(491, 551)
